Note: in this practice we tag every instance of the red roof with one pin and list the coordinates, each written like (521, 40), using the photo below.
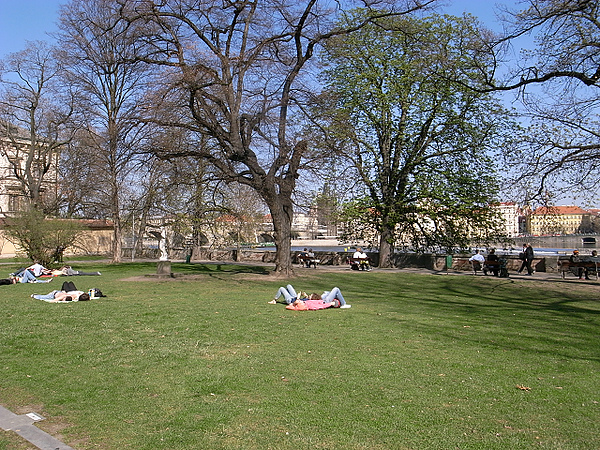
(89, 223)
(559, 210)
(97, 223)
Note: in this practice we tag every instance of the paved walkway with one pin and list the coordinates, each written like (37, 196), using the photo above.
(546, 276)
(24, 426)
(537, 276)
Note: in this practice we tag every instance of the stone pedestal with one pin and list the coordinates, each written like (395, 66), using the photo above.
(163, 269)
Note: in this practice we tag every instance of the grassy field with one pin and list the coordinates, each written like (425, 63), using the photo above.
(203, 362)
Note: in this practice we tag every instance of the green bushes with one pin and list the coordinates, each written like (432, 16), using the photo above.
(42, 239)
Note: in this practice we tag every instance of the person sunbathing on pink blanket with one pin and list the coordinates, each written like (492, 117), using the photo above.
(329, 299)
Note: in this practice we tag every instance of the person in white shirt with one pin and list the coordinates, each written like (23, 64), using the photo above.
(363, 259)
(477, 261)
(477, 257)
(62, 296)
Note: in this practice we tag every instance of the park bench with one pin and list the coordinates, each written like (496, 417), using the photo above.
(490, 266)
(359, 264)
(307, 261)
(477, 266)
(567, 266)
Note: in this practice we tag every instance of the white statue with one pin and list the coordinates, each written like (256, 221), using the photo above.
(162, 243)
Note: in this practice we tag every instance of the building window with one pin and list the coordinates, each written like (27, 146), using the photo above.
(14, 202)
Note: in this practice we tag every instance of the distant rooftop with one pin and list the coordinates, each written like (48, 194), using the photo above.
(560, 210)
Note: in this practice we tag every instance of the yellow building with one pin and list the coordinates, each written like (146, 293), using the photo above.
(95, 239)
(559, 220)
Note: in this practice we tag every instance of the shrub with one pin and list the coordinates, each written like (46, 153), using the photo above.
(42, 239)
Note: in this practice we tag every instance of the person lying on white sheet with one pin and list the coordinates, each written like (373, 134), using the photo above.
(62, 296)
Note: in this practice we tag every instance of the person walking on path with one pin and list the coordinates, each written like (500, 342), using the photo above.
(527, 258)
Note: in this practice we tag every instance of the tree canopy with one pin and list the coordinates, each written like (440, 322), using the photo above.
(422, 144)
(36, 112)
(99, 52)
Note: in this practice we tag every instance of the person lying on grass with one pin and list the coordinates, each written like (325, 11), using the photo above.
(62, 296)
(289, 295)
(26, 276)
(68, 271)
(329, 299)
(30, 274)
(68, 293)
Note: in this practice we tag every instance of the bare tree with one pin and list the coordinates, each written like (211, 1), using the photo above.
(100, 52)
(36, 109)
(78, 195)
(557, 82)
(165, 189)
(243, 210)
(567, 34)
(238, 73)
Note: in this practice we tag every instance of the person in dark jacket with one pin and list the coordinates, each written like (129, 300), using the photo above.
(575, 258)
(527, 257)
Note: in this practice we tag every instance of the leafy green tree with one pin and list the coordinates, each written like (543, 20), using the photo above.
(421, 143)
(42, 239)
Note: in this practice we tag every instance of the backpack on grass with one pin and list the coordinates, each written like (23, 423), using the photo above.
(95, 293)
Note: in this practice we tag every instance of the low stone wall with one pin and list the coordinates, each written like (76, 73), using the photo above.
(401, 260)
(461, 262)
(205, 254)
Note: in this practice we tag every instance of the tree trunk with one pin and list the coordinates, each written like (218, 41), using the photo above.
(386, 248)
(282, 215)
(117, 243)
(140, 231)
(283, 257)
(116, 213)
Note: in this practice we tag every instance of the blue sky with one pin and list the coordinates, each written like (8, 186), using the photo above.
(23, 20)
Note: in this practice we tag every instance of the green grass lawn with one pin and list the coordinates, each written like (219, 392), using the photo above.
(203, 362)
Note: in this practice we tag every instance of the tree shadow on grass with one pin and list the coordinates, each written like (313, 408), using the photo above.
(219, 267)
(555, 320)
(181, 270)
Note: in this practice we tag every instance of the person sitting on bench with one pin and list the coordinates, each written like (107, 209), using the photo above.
(477, 261)
(362, 258)
(303, 258)
(492, 263)
(581, 271)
